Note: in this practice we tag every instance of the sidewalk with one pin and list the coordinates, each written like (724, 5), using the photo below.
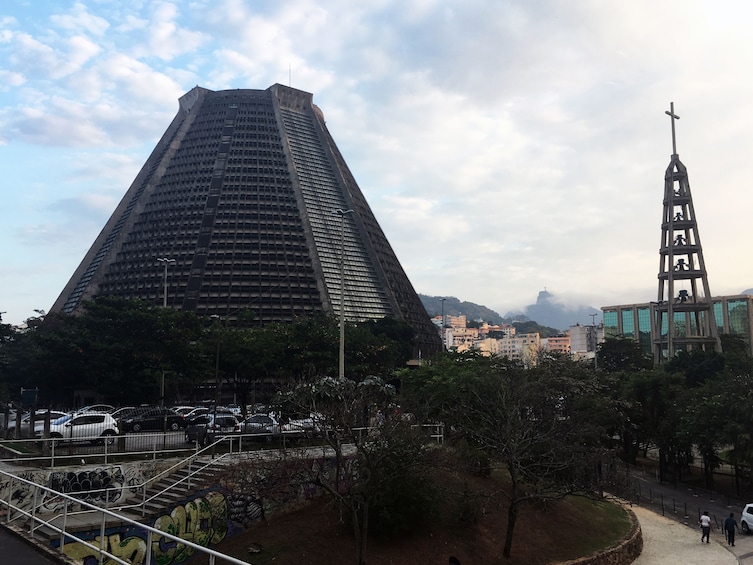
(667, 542)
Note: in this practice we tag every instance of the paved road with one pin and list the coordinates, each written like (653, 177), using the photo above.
(667, 542)
(15, 551)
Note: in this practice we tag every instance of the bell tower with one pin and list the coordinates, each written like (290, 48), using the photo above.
(683, 315)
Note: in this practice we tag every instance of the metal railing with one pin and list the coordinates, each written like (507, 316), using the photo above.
(34, 520)
(219, 450)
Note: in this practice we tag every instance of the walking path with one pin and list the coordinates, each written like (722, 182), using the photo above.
(667, 542)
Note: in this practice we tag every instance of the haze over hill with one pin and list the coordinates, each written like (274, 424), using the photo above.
(547, 311)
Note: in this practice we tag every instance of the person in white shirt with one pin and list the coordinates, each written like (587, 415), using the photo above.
(705, 526)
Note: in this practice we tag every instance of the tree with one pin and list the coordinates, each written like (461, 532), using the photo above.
(621, 354)
(379, 473)
(538, 424)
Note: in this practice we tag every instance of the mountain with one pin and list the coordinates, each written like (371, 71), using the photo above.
(474, 312)
(549, 312)
(546, 312)
(454, 307)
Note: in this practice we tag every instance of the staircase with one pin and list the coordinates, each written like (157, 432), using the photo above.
(161, 497)
(175, 488)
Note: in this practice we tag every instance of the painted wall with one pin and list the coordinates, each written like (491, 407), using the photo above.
(205, 519)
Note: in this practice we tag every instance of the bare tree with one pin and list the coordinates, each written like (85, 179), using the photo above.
(370, 450)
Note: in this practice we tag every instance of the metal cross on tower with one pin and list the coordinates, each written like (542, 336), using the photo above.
(683, 315)
(671, 114)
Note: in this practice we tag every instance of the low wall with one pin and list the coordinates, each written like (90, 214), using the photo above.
(623, 553)
(100, 485)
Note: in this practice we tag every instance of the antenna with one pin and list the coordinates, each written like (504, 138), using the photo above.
(290, 76)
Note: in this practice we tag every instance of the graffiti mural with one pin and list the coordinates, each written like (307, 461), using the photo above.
(100, 486)
(128, 544)
(21, 494)
(203, 521)
(95, 486)
(245, 508)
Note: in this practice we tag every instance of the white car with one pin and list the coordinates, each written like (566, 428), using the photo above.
(95, 427)
(746, 518)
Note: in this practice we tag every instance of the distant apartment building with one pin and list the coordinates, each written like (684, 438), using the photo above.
(456, 321)
(585, 340)
(520, 347)
(501, 330)
(557, 343)
(460, 339)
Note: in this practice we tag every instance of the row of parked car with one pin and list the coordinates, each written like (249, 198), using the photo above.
(199, 423)
(263, 425)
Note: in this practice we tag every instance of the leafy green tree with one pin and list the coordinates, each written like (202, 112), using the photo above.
(538, 424)
(621, 354)
(697, 365)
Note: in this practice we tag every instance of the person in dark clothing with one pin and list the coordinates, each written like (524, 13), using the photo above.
(730, 525)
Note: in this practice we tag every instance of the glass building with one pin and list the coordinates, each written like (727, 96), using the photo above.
(733, 316)
(246, 204)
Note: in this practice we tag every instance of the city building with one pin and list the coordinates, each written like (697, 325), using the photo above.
(246, 205)
(585, 340)
(557, 343)
(733, 315)
(460, 339)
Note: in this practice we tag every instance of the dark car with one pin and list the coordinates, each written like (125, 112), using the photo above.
(207, 427)
(153, 419)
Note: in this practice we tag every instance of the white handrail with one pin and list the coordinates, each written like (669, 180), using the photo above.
(37, 522)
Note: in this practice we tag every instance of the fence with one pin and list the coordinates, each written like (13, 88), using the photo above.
(29, 519)
(681, 502)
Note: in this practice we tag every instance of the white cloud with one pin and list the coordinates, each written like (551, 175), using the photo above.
(165, 38)
(80, 20)
(503, 146)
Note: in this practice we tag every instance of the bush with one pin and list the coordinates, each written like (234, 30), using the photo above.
(406, 501)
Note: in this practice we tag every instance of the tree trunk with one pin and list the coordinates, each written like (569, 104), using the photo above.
(512, 517)
(360, 517)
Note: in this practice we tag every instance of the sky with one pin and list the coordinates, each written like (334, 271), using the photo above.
(505, 146)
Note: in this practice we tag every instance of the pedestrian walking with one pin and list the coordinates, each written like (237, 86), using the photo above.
(730, 525)
(705, 526)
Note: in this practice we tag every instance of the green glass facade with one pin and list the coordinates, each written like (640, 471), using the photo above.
(611, 327)
(733, 316)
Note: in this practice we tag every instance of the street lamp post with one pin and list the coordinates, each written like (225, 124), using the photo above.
(165, 263)
(341, 367)
(218, 383)
(442, 330)
(594, 339)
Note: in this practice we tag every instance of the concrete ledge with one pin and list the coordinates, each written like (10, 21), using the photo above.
(624, 553)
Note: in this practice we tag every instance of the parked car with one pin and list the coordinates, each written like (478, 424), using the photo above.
(183, 410)
(746, 518)
(207, 427)
(300, 425)
(106, 408)
(154, 419)
(265, 426)
(96, 427)
(39, 417)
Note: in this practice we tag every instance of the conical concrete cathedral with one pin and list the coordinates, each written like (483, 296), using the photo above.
(684, 313)
(247, 204)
